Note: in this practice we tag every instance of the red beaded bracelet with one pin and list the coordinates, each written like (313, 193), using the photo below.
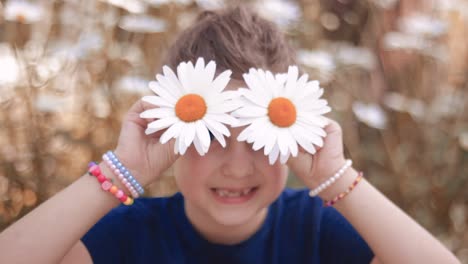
(345, 193)
(107, 185)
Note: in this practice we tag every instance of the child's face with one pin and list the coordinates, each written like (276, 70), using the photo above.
(229, 186)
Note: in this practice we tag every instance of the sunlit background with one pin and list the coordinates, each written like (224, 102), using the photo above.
(395, 73)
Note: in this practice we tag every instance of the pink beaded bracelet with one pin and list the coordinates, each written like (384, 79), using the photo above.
(345, 193)
(106, 184)
(121, 177)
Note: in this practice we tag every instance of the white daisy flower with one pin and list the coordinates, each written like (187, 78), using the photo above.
(142, 24)
(23, 11)
(282, 112)
(191, 105)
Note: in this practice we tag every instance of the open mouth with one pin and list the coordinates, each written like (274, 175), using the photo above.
(226, 195)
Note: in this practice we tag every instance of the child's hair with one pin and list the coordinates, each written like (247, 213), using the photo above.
(236, 39)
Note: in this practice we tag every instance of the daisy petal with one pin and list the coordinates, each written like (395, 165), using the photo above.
(176, 146)
(222, 118)
(171, 132)
(160, 112)
(156, 100)
(198, 146)
(202, 134)
(200, 65)
(300, 135)
(164, 82)
(273, 156)
(210, 72)
(216, 134)
(283, 141)
(182, 146)
(217, 126)
(183, 76)
(270, 141)
(189, 133)
(162, 123)
(284, 158)
(250, 111)
(172, 78)
(221, 81)
(159, 90)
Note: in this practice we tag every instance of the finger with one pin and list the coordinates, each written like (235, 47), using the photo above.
(136, 109)
(332, 126)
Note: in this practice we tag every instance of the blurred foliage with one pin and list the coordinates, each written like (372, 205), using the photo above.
(394, 72)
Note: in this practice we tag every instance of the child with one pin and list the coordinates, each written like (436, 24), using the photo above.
(233, 206)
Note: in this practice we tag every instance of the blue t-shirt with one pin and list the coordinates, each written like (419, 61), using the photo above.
(297, 229)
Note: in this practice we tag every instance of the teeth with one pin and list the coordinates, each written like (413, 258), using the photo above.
(226, 193)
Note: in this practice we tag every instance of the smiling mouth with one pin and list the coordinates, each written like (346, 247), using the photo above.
(234, 195)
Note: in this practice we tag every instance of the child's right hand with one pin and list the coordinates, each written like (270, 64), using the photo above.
(143, 155)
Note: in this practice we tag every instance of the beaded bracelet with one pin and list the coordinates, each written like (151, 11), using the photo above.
(124, 171)
(106, 184)
(345, 193)
(332, 179)
(120, 176)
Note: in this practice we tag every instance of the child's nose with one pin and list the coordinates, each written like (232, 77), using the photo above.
(239, 160)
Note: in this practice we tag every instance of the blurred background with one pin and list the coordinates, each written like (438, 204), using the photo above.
(394, 72)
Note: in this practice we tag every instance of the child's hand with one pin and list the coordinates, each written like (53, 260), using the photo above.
(143, 155)
(317, 168)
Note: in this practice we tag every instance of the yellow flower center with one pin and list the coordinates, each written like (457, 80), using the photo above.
(190, 107)
(282, 112)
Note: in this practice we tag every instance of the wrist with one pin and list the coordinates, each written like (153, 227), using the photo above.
(340, 185)
(123, 174)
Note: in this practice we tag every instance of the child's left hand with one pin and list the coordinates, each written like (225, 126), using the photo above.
(319, 167)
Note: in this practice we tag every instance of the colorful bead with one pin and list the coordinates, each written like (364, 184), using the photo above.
(345, 193)
(106, 185)
(119, 194)
(123, 174)
(101, 178)
(129, 201)
(123, 198)
(113, 189)
(95, 170)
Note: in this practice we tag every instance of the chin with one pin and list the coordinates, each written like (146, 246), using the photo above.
(235, 217)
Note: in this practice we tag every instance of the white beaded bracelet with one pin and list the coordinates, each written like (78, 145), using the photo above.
(332, 179)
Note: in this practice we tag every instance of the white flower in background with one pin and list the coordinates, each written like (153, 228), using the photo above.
(282, 112)
(132, 6)
(100, 103)
(453, 6)
(9, 66)
(422, 25)
(88, 42)
(211, 4)
(371, 114)
(23, 11)
(398, 40)
(157, 3)
(356, 56)
(318, 60)
(142, 24)
(282, 12)
(191, 105)
(51, 103)
(385, 4)
(133, 84)
(397, 102)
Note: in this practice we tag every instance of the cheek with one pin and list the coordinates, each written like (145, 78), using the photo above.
(276, 177)
(190, 172)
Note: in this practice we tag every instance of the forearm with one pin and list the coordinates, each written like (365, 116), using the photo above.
(392, 235)
(47, 233)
